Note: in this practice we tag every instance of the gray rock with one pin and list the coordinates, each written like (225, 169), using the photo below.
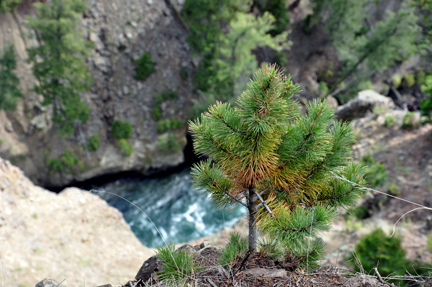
(47, 283)
(149, 266)
(360, 105)
(268, 273)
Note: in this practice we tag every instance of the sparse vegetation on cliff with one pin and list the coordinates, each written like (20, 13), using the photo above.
(58, 61)
(9, 82)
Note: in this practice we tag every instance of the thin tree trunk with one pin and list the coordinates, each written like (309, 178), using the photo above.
(253, 236)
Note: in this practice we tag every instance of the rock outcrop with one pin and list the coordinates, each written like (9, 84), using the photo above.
(72, 236)
(364, 102)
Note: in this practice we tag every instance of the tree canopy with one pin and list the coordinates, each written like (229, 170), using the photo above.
(9, 82)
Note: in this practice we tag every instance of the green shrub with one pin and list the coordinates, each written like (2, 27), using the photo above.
(125, 147)
(394, 189)
(167, 95)
(93, 143)
(376, 173)
(410, 121)
(236, 247)
(377, 249)
(156, 113)
(176, 266)
(360, 212)
(168, 143)
(390, 121)
(64, 163)
(168, 125)
(121, 130)
(144, 67)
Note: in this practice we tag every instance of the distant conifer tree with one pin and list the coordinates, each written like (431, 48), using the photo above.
(9, 82)
(278, 163)
(58, 60)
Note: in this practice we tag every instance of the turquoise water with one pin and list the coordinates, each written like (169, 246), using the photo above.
(180, 212)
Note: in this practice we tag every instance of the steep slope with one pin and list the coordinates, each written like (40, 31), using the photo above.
(121, 34)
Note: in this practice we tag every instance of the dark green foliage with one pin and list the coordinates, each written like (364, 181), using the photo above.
(236, 248)
(379, 250)
(64, 163)
(205, 18)
(144, 67)
(121, 130)
(93, 143)
(263, 145)
(376, 174)
(279, 11)
(161, 97)
(183, 73)
(58, 61)
(168, 125)
(125, 147)
(9, 82)
(156, 113)
(168, 143)
(360, 212)
(176, 266)
(426, 105)
(9, 5)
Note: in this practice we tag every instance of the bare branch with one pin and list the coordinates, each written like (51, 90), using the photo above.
(264, 203)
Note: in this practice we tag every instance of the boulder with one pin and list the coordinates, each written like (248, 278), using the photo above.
(364, 102)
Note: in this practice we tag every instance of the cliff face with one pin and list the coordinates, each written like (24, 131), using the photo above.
(121, 34)
(73, 236)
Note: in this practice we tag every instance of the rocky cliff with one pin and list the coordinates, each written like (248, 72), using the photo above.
(73, 236)
(121, 34)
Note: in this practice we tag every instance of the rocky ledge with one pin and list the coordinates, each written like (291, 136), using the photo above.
(73, 236)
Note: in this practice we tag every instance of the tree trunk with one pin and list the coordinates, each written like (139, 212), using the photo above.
(252, 218)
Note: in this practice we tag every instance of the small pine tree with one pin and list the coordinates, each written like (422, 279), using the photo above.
(58, 61)
(279, 164)
(9, 82)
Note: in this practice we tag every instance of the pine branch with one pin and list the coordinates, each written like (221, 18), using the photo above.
(234, 198)
(337, 196)
(228, 126)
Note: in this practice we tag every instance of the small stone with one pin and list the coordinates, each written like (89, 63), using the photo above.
(205, 244)
(47, 283)
(268, 273)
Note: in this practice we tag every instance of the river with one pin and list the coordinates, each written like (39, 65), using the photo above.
(180, 212)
